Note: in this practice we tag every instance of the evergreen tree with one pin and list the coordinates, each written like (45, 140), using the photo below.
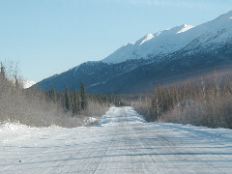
(3, 72)
(53, 95)
(75, 103)
(67, 104)
(17, 85)
(83, 97)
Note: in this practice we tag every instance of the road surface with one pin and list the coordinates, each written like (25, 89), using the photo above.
(123, 143)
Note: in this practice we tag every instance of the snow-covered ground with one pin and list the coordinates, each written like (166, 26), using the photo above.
(122, 143)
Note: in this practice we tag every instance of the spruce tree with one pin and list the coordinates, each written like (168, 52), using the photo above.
(67, 100)
(3, 72)
(53, 95)
(17, 85)
(75, 103)
(83, 97)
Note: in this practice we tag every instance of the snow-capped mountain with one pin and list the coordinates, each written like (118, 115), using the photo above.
(162, 57)
(28, 83)
(174, 39)
(161, 43)
(212, 34)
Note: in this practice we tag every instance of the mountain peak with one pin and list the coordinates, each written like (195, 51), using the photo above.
(174, 39)
(151, 44)
(175, 30)
(167, 54)
(146, 38)
(184, 28)
(28, 83)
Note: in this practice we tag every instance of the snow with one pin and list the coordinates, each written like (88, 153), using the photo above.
(146, 38)
(209, 34)
(90, 121)
(28, 83)
(162, 42)
(122, 143)
(185, 28)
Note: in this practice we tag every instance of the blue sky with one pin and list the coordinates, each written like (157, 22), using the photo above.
(45, 37)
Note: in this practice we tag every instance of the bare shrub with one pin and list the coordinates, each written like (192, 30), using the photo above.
(35, 108)
(143, 105)
(96, 109)
(203, 101)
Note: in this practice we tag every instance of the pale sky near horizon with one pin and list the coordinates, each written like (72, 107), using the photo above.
(46, 37)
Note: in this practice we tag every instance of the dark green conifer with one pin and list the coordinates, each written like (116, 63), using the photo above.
(83, 97)
(3, 72)
(67, 104)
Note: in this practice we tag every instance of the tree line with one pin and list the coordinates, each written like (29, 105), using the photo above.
(34, 107)
(70, 101)
(201, 101)
(78, 102)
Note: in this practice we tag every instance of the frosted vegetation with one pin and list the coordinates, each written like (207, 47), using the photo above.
(199, 101)
(35, 108)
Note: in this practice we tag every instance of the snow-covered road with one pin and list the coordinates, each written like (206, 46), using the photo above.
(122, 144)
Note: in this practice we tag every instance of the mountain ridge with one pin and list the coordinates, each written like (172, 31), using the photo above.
(146, 45)
(190, 49)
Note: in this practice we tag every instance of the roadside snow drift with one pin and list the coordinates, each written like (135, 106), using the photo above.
(122, 143)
